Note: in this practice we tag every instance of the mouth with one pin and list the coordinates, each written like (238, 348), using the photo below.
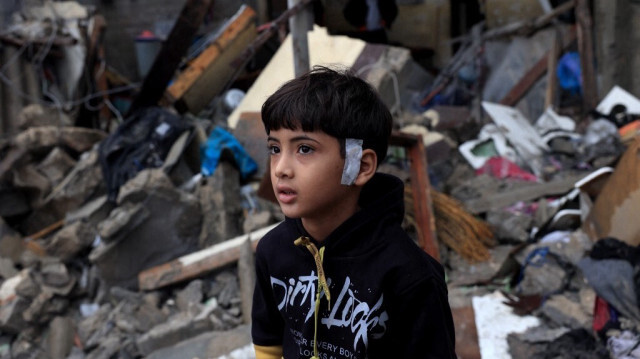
(285, 195)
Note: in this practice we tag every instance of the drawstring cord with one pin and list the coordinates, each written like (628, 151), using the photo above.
(318, 256)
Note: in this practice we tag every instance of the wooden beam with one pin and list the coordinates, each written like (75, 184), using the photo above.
(207, 74)
(171, 54)
(420, 185)
(198, 263)
(585, 48)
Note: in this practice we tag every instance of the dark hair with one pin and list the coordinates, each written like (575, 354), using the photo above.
(338, 103)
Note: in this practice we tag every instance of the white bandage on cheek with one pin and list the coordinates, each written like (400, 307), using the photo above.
(353, 155)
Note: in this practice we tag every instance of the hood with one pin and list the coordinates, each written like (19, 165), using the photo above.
(381, 206)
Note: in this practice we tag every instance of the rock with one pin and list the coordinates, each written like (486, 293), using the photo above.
(72, 239)
(175, 330)
(43, 138)
(35, 115)
(7, 268)
(82, 184)
(220, 201)
(29, 180)
(162, 223)
(509, 225)
(56, 166)
(12, 305)
(207, 345)
(59, 340)
(567, 312)
(190, 298)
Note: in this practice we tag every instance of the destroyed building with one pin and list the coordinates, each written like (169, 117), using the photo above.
(132, 167)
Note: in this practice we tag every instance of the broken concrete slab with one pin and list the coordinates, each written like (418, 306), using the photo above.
(174, 331)
(190, 298)
(510, 226)
(36, 115)
(169, 228)
(82, 184)
(220, 200)
(56, 166)
(33, 183)
(41, 139)
(567, 311)
(72, 239)
(12, 305)
(207, 345)
(483, 193)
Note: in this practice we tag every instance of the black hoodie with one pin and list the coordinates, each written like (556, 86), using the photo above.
(388, 297)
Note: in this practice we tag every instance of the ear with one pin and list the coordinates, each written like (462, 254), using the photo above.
(368, 167)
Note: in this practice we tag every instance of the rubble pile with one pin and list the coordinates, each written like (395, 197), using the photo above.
(128, 218)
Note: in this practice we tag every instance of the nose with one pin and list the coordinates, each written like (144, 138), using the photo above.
(281, 166)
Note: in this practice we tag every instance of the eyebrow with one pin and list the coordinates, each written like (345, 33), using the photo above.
(294, 139)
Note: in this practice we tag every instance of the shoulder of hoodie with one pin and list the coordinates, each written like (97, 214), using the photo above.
(411, 265)
(275, 238)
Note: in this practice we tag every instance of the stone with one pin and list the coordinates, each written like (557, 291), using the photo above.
(107, 348)
(28, 179)
(463, 273)
(121, 221)
(35, 115)
(28, 287)
(510, 226)
(567, 311)
(43, 138)
(7, 268)
(163, 224)
(56, 166)
(214, 344)
(13, 305)
(95, 327)
(72, 239)
(44, 307)
(220, 200)
(59, 340)
(230, 288)
(83, 183)
(189, 299)
(544, 277)
(177, 329)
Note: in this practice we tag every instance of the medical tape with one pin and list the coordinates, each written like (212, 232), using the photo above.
(353, 155)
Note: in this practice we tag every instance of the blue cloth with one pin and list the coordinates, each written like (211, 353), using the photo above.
(218, 140)
(568, 72)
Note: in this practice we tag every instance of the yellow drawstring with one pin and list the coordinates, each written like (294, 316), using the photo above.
(318, 256)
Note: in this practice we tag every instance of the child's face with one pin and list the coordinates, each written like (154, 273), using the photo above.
(306, 168)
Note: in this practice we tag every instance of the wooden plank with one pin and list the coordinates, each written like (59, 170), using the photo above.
(585, 48)
(207, 74)
(420, 185)
(171, 53)
(198, 263)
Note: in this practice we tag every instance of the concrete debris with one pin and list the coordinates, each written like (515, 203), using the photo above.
(115, 243)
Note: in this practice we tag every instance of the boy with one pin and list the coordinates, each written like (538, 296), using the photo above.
(339, 278)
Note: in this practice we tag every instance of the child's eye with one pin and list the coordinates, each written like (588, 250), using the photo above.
(304, 149)
(273, 149)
